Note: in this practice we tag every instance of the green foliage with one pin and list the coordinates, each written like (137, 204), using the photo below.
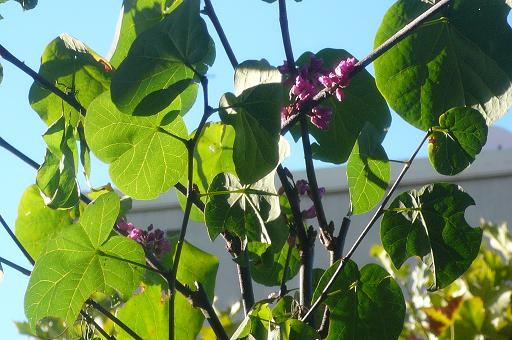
(75, 69)
(254, 112)
(430, 223)
(163, 61)
(362, 104)
(37, 223)
(358, 301)
(454, 144)
(81, 260)
(152, 304)
(459, 57)
(368, 171)
(145, 154)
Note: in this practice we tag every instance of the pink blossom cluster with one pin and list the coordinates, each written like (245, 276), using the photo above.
(152, 239)
(303, 189)
(310, 80)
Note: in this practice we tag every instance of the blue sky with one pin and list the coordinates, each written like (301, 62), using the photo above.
(253, 29)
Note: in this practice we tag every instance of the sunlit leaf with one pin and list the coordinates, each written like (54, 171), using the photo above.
(74, 68)
(81, 260)
(459, 57)
(453, 145)
(36, 223)
(145, 157)
(163, 61)
(368, 171)
(430, 223)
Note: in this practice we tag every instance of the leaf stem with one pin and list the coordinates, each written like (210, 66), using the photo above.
(70, 99)
(210, 12)
(17, 241)
(365, 231)
(13, 265)
(291, 244)
(244, 280)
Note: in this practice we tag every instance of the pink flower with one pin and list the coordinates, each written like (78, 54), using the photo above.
(286, 113)
(345, 67)
(135, 234)
(329, 81)
(302, 187)
(321, 117)
(302, 89)
(340, 95)
(124, 225)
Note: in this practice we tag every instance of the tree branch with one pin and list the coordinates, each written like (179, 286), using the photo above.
(285, 34)
(69, 98)
(16, 240)
(90, 320)
(13, 265)
(365, 231)
(210, 12)
(99, 308)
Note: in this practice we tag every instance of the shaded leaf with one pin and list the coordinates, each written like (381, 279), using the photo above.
(163, 61)
(358, 300)
(460, 57)
(81, 260)
(241, 209)
(254, 112)
(368, 171)
(430, 223)
(145, 157)
(74, 68)
(295, 329)
(453, 145)
(256, 323)
(36, 223)
(362, 103)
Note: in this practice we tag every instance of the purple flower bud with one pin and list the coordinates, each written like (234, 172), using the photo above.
(315, 64)
(321, 117)
(345, 67)
(321, 192)
(135, 234)
(309, 214)
(302, 89)
(159, 234)
(124, 226)
(283, 69)
(302, 186)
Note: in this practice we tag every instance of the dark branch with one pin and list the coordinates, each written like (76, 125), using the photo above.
(17, 241)
(285, 34)
(365, 231)
(90, 320)
(210, 12)
(99, 308)
(13, 265)
(67, 97)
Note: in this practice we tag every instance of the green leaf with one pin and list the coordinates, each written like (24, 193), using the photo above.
(213, 155)
(138, 16)
(152, 309)
(256, 323)
(368, 171)
(74, 68)
(36, 223)
(363, 103)
(145, 157)
(56, 178)
(241, 209)
(254, 112)
(460, 136)
(293, 329)
(430, 223)
(366, 304)
(81, 260)
(459, 57)
(163, 61)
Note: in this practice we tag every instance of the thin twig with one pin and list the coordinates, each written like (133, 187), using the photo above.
(285, 34)
(365, 231)
(67, 97)
(13, 265)
(245, 281)
(210, 12)
(291, 244)
(17, 241)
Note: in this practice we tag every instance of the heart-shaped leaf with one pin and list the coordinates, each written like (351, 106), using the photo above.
(145, 154)
(430, 223)
(37, 223)
(81, 260)
(453, 145)
(358, 300)
(459, 57)
(368, 171)
(163, 61)
(74, 68)
(254, 111)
